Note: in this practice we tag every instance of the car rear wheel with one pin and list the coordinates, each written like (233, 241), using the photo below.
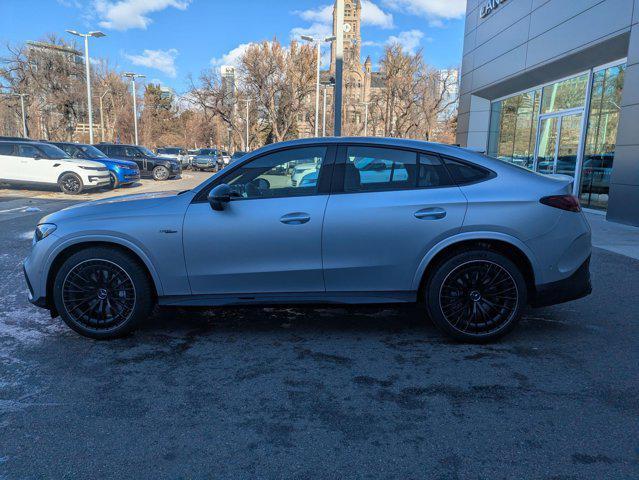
(476, 296)
(71, 184)
(102, 293)
(160, 173)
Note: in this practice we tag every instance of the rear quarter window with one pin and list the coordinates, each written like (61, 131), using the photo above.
(464, 173)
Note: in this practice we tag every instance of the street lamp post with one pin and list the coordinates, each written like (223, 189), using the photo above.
(339, 65)
(133, 76)
(366, 104)
(102, 114)
(248, 102)
(317, 80)
(324, 112)
(87, 62)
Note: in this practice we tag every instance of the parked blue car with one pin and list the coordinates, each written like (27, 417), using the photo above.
(122, 172)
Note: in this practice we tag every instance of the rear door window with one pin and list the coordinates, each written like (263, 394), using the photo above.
(374, 168)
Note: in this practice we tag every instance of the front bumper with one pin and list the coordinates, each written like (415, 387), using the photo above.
(576, 286)
(98, 180)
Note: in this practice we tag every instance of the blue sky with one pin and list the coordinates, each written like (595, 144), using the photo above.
(169, 39)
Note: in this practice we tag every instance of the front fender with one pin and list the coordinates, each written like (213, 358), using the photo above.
(103, 238)
(479, 235)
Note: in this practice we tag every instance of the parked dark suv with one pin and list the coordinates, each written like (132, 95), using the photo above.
(151, 165)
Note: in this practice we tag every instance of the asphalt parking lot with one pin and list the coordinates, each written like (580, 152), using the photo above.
(316, 392)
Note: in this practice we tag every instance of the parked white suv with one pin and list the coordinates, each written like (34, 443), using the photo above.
(35, 163)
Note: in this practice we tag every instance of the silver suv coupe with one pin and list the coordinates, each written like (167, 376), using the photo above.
(378, 220)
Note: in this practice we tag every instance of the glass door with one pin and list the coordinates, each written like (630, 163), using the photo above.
(558, 143)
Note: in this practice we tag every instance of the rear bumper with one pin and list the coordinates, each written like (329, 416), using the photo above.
(576, 286)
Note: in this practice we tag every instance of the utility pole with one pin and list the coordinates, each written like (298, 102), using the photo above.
(133, 76)
(102, 114)
(25, 131)
(339, 64)
(87, 63)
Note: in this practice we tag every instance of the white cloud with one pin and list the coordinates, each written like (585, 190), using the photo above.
(434, 10)
(409, 40)
(375, 16)
(323, 14)
(232, 57)
(371, 15)
(162, 60)
(320, 31)
(126, 14)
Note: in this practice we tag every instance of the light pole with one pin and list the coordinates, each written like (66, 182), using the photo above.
(133, 76)
(248, 102)
(317, 82)
(102, 114)
(339, 65)
(366, 104)
(87, 62)
(324, 111)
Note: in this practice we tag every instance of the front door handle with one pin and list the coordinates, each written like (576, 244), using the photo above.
(433, 213)
(296, 218)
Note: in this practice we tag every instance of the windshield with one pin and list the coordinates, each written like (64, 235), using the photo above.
(91, 152)
(208, 151)
(146, 152)
(52, 152)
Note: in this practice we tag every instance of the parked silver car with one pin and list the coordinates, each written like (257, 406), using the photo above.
(473, 238)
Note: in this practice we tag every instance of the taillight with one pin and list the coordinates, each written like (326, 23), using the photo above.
(563, 202)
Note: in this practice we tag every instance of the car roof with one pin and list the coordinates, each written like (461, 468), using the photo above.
(27, 142)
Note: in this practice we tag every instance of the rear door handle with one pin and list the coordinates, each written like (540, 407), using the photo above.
(296, 218)
(433, 213)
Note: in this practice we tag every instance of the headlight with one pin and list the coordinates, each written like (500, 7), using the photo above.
(43, 231)
(95, 169)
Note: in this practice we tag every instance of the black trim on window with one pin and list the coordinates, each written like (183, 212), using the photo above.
(323, 184)
(488, 174)
(340, 163)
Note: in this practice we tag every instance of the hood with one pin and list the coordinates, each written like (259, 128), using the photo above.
(116, 161)
(114, 206)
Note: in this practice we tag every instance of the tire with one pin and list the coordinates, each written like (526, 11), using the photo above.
(102, 293)
(71, 184)
(476, 296)
(160, 173)
(114, 181)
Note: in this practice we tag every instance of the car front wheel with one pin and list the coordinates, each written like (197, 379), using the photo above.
(71, 184)
(476, 296)
(102, 293)
(114, 180)
(160, 173)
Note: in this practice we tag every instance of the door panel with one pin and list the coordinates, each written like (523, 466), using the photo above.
(568, 146)
(547, 144)
(267, 245)
(375, 241)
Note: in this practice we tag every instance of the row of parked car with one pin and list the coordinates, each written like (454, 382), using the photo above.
(202, 159)
(77, 167)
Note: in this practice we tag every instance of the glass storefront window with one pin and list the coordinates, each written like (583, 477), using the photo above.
(514, 128)
(601, 136)
(564, 95)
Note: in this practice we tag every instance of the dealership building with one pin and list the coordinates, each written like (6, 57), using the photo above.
(553, 86)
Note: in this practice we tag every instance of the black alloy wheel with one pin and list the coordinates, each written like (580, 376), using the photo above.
(102, 293)
(476, 296)
(98, 294)
(71, 184)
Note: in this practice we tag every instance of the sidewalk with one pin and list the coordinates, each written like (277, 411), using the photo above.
(615, 237)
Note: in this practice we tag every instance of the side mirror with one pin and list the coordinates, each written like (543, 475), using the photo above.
(220, 195)
(37, 156)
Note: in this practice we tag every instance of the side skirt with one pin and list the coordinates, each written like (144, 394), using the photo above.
(215, 300)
